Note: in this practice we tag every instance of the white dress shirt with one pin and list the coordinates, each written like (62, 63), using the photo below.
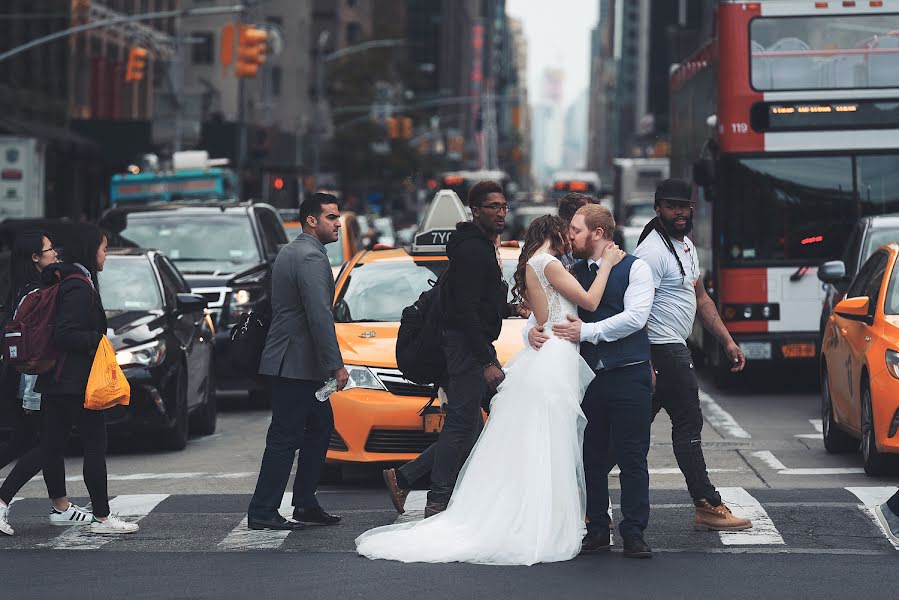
(637, 305)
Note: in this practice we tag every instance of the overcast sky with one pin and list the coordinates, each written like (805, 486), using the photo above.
(558, 34)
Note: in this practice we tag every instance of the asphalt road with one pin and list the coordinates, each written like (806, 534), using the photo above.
(814, 534)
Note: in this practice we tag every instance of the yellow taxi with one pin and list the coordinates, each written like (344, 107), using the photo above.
(860, 366)
(376, 418)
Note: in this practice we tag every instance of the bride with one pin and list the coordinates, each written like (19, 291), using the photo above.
(520, 497)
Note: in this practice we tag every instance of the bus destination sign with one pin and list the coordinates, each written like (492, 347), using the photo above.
(838, 114)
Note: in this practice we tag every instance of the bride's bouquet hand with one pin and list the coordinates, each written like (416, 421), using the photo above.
(612, 255)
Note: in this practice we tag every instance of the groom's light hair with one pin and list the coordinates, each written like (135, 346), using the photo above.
(596, 216)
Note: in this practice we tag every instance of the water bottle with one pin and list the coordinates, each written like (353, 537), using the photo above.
(326, 390)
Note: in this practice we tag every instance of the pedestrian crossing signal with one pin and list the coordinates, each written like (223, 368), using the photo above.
(137, 62)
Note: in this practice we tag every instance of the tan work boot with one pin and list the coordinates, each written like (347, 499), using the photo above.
(717, 518)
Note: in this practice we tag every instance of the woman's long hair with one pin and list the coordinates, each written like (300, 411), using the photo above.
(22, 270)
(546, 228)
(82, 249)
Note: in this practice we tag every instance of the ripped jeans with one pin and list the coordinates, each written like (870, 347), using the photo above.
(677, 391)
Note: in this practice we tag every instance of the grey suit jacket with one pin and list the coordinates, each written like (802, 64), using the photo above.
(302, 343)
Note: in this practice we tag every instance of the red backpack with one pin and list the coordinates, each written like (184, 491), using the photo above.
(28, 337)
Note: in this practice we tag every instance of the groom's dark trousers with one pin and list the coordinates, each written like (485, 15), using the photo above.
(618, 407)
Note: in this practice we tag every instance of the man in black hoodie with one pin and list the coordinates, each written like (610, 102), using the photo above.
(476, 304)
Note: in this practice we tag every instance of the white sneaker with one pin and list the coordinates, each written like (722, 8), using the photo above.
(113, 525)
(4, 523)
(74, 515)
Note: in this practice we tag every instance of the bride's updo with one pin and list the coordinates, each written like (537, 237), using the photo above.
(546, 228)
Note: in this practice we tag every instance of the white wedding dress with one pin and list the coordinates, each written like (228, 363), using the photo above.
(520, 497)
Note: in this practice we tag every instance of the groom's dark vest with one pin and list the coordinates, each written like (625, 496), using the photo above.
(631, 349)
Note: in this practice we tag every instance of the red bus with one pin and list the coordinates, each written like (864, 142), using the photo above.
(787, 122)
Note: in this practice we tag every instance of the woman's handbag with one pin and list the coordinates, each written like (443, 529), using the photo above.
(106, 385)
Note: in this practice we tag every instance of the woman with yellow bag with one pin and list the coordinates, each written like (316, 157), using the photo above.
(79, 331)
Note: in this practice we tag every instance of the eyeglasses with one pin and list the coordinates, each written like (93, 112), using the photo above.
(497, 207)
(51, 248)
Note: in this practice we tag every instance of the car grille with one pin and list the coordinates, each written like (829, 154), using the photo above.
(399, 441)
(336, 442)
(395, 383)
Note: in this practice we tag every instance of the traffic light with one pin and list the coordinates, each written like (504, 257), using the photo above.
(250, 51)
(137, 62)
(406, 128)
(393, 127)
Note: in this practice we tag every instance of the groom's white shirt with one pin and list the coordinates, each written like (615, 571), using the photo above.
(637, 304)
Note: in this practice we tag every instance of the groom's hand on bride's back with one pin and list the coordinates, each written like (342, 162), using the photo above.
(537, 337)
(570, 331)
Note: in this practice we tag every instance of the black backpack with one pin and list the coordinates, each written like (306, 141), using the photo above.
(419, 342)
(248, 338)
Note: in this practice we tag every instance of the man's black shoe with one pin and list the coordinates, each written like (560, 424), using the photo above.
(636, 547)
(315, 515)
(597, 542)
(277, 523)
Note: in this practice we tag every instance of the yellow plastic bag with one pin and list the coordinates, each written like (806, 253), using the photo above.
(106, 385)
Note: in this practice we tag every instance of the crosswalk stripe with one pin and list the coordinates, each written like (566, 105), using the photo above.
(244, 538)
(133, 507)
(871, 497)
(743, 504)
(415, 506)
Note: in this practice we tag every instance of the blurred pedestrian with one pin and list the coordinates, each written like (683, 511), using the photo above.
(680, 296)
(888, 515)
(301, 352)
(80, 325)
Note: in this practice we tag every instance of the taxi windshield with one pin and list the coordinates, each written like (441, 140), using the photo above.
(379, 291)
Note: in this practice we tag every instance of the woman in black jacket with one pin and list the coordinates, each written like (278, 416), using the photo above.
(80, 325)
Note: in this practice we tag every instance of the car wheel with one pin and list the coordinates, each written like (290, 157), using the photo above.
(836, 440)
(875, 463)
(203, 421)
(175, 437)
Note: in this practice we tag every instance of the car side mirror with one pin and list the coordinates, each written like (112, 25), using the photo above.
(855, 309)
(188, 303)
(705, 172)
(832, 272)
(342, 312)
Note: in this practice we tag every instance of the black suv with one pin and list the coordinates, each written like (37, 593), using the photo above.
(869, 234)
(224, 251)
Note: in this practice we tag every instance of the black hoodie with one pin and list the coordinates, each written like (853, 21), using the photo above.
(477, 302)
(80, 323)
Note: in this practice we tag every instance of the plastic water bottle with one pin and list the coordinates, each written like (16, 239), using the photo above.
(326, 390)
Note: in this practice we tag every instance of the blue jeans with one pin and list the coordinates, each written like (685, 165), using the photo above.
(618, 406)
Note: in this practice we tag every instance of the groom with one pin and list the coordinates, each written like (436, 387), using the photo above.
(618, 402)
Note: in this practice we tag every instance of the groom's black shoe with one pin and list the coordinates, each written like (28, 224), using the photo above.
(277, 523)
(636, 547)
(597, 542)
(315, 515)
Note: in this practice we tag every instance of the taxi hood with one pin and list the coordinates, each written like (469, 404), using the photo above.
(374, 344)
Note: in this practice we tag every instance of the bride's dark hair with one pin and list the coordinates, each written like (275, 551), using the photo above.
(546, 228)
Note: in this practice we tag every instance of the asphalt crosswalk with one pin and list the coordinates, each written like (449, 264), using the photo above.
(803, 521)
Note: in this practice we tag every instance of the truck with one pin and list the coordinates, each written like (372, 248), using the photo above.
(634, 186)
(21, 178)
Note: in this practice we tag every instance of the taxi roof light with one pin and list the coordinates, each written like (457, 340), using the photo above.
(439, 223)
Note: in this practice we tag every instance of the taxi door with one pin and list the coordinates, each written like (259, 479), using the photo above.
(856, 334)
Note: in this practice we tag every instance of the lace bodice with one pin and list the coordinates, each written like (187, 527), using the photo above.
(559, 306)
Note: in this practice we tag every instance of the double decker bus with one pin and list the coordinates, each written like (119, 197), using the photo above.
(787, 122)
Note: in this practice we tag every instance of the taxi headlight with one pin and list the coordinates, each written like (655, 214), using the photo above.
(893, 363)
(362, 377)
(145, 355)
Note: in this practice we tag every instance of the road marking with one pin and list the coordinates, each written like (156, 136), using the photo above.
(871, 497)
(133, 507)
(415, 507)
(818, 424)
(720, 420)
(676, 471)
(160, 476)
(244, 538)
(767, 457)
(743, 504)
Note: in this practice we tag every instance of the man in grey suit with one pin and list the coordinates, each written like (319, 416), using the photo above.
(301, 353)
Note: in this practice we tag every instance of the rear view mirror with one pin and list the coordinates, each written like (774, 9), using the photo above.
(188, 303)
(832, 272)
(705, 172)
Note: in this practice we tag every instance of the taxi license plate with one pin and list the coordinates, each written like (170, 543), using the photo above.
(433, 421)
(756, 350)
